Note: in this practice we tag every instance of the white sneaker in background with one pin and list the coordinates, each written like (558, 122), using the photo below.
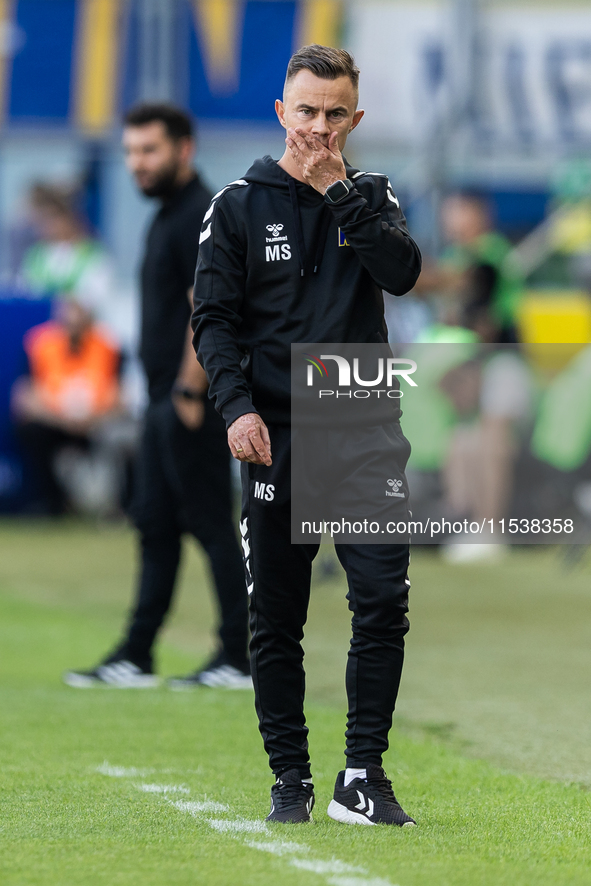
(120, 674)
(458, 553)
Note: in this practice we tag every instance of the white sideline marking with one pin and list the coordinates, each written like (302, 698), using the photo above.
(194, 808)
(238, 826)
(357, 881)
(282, 848)
(277, 847)
(335, 866)
(121, 772)
(164, 788)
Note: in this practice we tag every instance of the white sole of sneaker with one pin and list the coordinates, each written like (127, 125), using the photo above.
(79, 681)
(214, 682)
(137, 683)
(340, 813)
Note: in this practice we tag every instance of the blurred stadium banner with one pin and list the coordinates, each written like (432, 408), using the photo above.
(529, 67)
(79, 62)
(17, 315)
(96, 64)
(554, 315)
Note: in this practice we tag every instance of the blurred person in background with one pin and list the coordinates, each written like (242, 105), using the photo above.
(72, 388)
(66, 260)
(182, 479)
(473, 280)
(561, 439)
(493, 398)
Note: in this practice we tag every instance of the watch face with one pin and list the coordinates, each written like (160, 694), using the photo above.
(337, 191)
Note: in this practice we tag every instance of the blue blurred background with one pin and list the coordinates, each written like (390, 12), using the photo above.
(483, 96)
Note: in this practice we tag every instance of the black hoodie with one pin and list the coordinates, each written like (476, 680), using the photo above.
(279, 264)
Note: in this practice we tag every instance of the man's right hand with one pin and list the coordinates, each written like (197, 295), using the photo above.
(248, 439)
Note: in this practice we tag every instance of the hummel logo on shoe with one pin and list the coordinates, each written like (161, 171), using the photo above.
(365, 805)
(219, 673)
(292, 800)
(120, 674)
(368, 800)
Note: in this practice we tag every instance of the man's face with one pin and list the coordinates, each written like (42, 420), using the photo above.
(153, 158)
(319, 107)
(463, 219)
(56, 226)
(73, 317)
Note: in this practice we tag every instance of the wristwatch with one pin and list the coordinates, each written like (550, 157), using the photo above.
(187, 393)
(338, 190)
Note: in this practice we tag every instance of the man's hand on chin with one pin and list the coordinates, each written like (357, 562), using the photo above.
(320, 166)
(248, 439)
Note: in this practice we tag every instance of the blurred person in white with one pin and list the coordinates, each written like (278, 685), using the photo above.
(71, 390)
(493, 398)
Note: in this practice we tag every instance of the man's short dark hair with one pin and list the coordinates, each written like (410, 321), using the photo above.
(325, 62)
(177, 123)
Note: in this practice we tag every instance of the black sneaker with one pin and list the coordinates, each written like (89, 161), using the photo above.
(117, 671)
(219, 673)
(292, 800)
(368, 800)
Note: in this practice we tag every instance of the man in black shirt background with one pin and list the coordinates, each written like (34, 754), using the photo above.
(182, 480)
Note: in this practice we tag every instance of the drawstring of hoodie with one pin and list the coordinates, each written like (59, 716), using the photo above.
(300, 242)
(297, 217)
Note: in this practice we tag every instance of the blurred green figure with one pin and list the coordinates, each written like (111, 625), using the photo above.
(66, 261)
(475, 270)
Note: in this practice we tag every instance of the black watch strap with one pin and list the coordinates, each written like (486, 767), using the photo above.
(338, 190)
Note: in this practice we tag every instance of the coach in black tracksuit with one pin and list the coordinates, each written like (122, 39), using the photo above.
(251, 302)
(182, 480)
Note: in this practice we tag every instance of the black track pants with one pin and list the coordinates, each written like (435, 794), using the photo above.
(278, 578)
(182, 484)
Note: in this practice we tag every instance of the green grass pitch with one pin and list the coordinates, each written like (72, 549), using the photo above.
(491, 749)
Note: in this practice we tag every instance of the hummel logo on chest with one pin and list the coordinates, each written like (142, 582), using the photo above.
(275, 231)
(281, 250)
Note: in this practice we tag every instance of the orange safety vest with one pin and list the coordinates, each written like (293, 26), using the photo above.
(78, 384)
